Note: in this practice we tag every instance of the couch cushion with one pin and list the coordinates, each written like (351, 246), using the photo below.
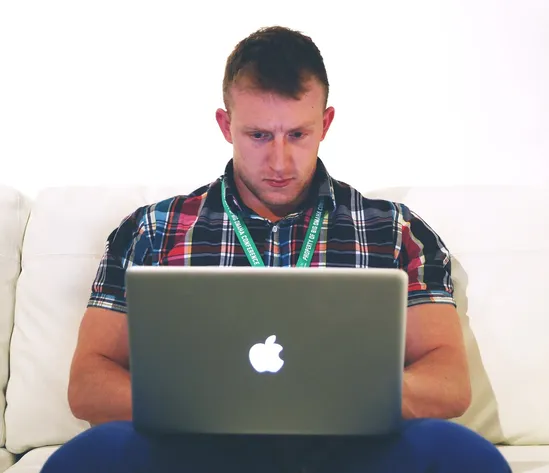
(64, 241)
(498, 238)
(33, 461)
(527, 459)
(14, 211)
(7, 459)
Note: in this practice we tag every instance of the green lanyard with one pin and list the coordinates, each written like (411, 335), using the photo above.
(311, 239)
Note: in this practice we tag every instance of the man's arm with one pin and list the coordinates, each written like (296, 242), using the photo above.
(99, 384)
(436, 377)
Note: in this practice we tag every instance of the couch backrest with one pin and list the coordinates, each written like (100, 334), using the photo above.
(64, 241)
(499, 239)
(14, 211)
(497, 236)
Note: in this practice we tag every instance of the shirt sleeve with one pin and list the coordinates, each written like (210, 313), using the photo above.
(424, 256)
(128, 244)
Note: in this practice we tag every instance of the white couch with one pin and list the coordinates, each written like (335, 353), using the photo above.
(498, 236)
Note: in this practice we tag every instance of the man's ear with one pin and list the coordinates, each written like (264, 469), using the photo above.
(327, 121)
(224, 121)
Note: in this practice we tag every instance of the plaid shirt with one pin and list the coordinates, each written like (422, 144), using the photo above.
(356, 232)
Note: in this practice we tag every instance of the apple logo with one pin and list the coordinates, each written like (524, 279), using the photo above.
(265, 356)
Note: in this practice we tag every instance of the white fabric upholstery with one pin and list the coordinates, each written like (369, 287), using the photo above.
(527, 459)
(14, 211)
(7, 459)
(64, 241)
(33, 461)
(498, 240)
(498, 237)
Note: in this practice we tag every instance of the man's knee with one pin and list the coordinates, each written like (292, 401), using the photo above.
(117, 448)
(452, 446)
(87, 451)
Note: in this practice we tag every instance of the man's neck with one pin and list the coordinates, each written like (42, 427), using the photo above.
(269, 212)
(275, 213)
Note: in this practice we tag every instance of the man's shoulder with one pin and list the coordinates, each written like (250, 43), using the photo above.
(184, 203)
(161, 213)
(367, 205)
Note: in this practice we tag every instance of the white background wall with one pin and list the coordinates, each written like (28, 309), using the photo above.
(124, 92)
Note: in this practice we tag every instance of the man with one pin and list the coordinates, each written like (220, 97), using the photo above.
(275, 93)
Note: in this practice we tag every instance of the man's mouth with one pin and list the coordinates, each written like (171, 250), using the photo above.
(278, 182)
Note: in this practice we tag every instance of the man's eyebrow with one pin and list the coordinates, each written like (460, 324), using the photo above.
(304, 125)
(258, 128)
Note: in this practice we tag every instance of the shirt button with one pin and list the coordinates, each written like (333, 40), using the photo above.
(275, 229)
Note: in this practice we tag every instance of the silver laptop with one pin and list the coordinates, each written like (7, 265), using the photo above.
(266, 350)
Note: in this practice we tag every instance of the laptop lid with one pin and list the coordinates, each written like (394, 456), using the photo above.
(266, 350)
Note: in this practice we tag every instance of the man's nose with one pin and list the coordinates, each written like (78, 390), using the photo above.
(280, 154)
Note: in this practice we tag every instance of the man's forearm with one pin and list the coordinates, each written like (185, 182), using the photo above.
(101, 392)
(436, 386)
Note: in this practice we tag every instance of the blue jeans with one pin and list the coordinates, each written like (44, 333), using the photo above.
(422, 446)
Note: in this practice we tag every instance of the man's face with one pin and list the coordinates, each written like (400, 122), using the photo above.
(275, 144)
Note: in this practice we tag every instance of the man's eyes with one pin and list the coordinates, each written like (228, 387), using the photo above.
(263, 136)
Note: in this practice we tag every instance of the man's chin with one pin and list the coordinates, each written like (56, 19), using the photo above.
(282, 205)
(282, 199)
(278, 197)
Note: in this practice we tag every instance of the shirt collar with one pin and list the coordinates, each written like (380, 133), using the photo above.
(322, 186)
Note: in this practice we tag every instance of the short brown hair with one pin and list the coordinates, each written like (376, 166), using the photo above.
(275, 59)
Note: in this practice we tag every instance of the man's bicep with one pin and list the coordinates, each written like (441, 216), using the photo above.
(103, 332)
(431, 326)
(103, 329)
